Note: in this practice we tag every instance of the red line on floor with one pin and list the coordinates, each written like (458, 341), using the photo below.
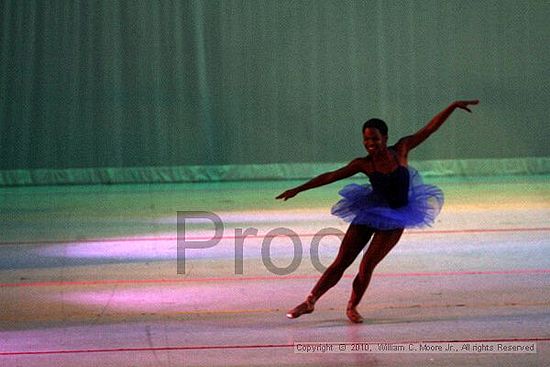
(266, 278)
(414, 232)
(206, 238)
(252, 346)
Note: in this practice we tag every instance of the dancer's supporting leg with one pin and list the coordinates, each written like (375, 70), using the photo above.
(380, 246)
(354, 241)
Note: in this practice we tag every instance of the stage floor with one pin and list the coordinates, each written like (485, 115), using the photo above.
(89, 277)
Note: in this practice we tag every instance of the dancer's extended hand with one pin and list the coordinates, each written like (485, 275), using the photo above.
(463, 105)
(288, 194)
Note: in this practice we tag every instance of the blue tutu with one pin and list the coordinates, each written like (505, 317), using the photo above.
(360, 204)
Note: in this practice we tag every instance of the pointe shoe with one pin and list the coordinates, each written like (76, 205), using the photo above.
(353, 315)
(303, 308)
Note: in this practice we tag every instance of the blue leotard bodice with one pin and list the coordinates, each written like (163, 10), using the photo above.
(393, 187)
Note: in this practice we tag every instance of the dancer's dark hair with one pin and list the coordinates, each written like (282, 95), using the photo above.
(376, 124)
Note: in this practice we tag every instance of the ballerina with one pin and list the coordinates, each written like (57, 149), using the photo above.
(395, 199)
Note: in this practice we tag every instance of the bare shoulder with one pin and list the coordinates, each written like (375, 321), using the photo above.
(362, 164)
(401, 148)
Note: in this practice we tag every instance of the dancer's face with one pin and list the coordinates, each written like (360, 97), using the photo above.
(373, 140)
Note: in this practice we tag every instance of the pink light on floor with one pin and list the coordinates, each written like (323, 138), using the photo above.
(170, 298)
(117, 248)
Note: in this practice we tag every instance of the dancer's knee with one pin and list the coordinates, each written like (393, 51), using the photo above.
(363, 276)
(335, 271)
(339, 266)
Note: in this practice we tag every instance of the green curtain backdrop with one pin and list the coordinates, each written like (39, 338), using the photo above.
(142, 84)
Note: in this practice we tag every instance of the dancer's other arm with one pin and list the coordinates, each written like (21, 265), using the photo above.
(349, 170)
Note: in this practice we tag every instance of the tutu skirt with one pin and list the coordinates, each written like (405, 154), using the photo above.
(361, 205)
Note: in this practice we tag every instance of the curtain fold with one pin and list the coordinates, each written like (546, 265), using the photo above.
(106, 84)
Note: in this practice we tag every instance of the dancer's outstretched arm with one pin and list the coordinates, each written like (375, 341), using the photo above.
(349, 170)
(412, 141)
